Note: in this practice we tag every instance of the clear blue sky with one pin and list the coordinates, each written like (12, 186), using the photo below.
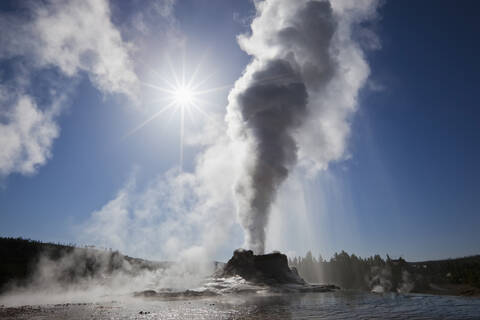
(410, 187)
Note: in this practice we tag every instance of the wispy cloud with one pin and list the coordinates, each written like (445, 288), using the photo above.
(73, 38)
(26, 136)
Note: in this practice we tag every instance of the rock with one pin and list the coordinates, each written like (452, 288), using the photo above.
(269, 269)
(145, 293)
(174, 294)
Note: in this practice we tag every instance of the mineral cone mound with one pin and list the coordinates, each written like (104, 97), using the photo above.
(267, 268)
(267, 273)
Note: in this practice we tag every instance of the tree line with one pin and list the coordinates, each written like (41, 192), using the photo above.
(378, 274)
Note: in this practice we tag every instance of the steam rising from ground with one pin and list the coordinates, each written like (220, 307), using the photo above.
(294, 100)
(90, 275)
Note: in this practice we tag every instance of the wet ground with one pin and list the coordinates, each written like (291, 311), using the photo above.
(324, 305)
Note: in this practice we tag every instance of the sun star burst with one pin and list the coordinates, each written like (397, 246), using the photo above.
(179, 94)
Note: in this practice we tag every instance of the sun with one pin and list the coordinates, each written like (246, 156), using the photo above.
(183, 96)
(181, 93)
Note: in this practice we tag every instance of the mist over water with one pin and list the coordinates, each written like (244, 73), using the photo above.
(339, 305)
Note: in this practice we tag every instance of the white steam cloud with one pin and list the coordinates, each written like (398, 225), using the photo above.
(72, 37)
(26, 137)
(295, 98)
(176, 216)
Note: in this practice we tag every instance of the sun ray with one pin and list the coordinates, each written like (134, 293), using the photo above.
(165, 81)
(212, 120)
(197, 69)
(190, 114)
(172, 71)
(203, 113)
(170, 117)
(183, 68)
(203, 81)
(155, 115)
(156, 87)
(157, 101)
(182, 133)
(220, 88)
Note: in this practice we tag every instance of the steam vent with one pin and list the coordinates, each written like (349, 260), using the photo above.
(270, 268)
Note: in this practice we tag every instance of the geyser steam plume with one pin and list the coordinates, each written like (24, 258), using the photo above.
(282, 107)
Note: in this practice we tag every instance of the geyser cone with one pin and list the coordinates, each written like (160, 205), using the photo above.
(266, 268)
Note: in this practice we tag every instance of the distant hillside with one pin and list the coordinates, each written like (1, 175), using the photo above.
(20, 257)
(460, 274)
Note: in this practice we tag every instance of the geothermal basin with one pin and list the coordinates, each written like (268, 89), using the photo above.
(248, 286)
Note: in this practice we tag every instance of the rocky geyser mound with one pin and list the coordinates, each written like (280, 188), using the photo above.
(270, 268)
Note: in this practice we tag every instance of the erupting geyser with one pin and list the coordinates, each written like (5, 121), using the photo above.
(292, 48)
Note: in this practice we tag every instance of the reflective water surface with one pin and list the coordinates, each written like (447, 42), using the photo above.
(331, 305)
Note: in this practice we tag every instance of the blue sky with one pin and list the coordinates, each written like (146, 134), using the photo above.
(406, 184)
